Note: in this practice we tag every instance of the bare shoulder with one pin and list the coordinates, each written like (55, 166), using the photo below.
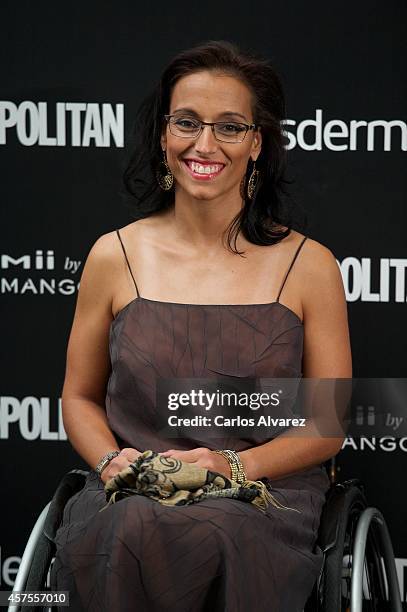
(320, 278)
(327, 349)
(103, 254)
(318, 263)
(143, 231)
(95, 290)
(105, 266)
(107, 249)
(104, 262)
(314, 258)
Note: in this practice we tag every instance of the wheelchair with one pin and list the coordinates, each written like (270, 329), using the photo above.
(358, 572)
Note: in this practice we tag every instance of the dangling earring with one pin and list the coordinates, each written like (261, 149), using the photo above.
(165, 180)
(252, 183)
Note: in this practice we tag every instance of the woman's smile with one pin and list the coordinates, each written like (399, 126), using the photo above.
(202, 170)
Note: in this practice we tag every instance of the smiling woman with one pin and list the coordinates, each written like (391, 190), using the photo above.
(208, 160)
(219, 155)
(214, 94)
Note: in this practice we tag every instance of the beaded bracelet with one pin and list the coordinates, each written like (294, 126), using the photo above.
(236, 466)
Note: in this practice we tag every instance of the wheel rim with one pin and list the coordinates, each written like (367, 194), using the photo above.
(374, 590)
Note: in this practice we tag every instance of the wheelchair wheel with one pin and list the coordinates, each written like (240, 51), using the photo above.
(335, 587)
(33, 576)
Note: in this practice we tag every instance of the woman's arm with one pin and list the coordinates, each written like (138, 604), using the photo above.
(88, 362)
(327, 354)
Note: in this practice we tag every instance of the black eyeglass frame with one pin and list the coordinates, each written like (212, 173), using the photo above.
(248, 127)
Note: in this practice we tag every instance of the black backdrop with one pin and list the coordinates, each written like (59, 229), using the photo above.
(87, 62)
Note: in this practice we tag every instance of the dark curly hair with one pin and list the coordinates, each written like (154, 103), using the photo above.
(261, 218)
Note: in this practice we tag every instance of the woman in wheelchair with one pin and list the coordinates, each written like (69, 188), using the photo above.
(168, 297)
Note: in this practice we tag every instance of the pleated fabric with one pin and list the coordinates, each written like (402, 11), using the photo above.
(215, 555)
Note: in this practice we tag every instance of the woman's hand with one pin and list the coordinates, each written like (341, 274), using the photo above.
(202, 457)
(116, 465)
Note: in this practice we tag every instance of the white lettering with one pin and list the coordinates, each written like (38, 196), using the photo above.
(32, 418)
(75, 110)
(61, 124)
(357, 279)
(9, 569)
(104, 123)
(400, 265)
(322, 135)
(28, 126)
(9, 286)
(317, 123)
(8, 118)
(354, 126)
(351, 264)
(401, 566)
(7, 260)
(44, 139)
(71, 265)
(387, 126)
(9, 413)
(386, 443)
(113, 124)
(30, 407)
(65, 286)
(93, 126)
(384, 280)
(329, 134)
(367, 295)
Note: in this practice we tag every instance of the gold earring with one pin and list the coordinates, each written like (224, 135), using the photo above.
(252, 183)
(165, 180)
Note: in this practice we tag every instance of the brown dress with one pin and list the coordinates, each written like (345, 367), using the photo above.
(220, 555)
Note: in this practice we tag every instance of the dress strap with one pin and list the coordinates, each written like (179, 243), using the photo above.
(127, 261)
(291, 265)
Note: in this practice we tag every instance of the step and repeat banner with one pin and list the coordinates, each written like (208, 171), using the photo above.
(70, 83)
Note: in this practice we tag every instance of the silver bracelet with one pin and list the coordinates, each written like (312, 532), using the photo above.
(105, 460)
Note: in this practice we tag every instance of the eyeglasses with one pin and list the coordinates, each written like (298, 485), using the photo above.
(224, 131)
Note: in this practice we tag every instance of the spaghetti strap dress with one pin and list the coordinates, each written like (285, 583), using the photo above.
(218, 555)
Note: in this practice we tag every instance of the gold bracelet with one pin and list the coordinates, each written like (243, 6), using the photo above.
(232, 464)
(241, 475)
(236, 466)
